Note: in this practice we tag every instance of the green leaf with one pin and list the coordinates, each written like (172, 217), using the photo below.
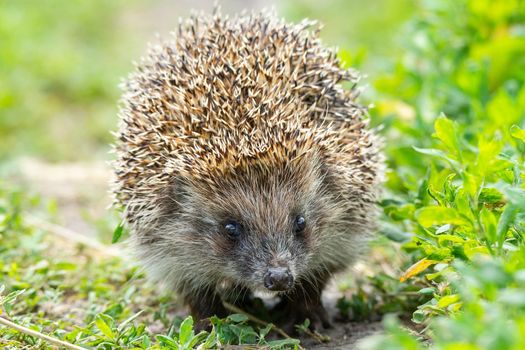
(283, 343)
(447, 300)
(400, 212)
(505, 221)
(167, 342)
(394, 232)
(128, 320)
(429, 216)
(117, 233)
(487, 153)
(490, 196)
(462, 205)
(443, 228)
(471, 184)
(263, 332)
(197, 339)
(427, 291)
(436, 195)
(7, 302)
(440, 254)
(211, 340)
(186, 330)
(517, 132)
(64, 265)
(418, 316)
(439, 154)
(488, 220)
(104, 327)
(238, 318)
(458, 251)
(446, 133)
(450, 238)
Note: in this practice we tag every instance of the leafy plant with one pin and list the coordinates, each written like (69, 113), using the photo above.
(454, 112)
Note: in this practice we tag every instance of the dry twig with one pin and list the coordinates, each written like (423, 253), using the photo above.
(37, 334)
(257, 320)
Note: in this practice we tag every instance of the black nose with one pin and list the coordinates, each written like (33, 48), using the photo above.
(278, 279)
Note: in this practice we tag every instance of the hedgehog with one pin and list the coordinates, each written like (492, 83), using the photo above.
(244, 164)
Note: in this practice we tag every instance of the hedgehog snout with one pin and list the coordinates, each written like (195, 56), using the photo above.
(278, 279)
(279, 273)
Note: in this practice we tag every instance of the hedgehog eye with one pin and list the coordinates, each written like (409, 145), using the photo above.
(233, 229)
(300, 224)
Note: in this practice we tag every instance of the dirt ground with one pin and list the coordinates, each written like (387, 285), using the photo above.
(344, 336)
(80, 191)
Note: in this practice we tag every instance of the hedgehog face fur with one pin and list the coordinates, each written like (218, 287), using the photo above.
(249, 224)
(243, 164)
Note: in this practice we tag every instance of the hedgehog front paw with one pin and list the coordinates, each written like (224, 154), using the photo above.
(202, 319)
(203, 308)
(294, 314)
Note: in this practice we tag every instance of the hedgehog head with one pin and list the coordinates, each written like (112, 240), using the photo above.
(259, 224)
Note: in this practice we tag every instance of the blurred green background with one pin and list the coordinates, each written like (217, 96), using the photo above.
(61, 61)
